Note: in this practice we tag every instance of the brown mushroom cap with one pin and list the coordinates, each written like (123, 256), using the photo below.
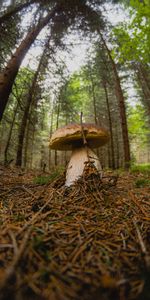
(70, 136)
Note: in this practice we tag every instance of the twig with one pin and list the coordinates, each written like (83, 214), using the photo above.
(15, 246)
(28, 191)
(143, 248)
(123, 241)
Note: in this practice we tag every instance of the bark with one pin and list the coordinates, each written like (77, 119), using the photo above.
(57, 124)
(145, 74)
(11, 12)
(93, 96)
(117, 151)
(109, 156)
(121, 102)
(143, 79)
(110, 126)
(9, 135)
(22, 132)
(26, 145)
(7, 77)
(50, 133)
(32, 144)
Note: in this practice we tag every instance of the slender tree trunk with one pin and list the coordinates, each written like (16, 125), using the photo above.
(9, 135)
(121, 102)
(50, 133)
(22, 132)
(143, 80)
(32, 147)
(26, 145)
(27, 109)
(57, 124)
(117, 152)
(109, 156)
(7, 77)
(110, 126)
(93, 97)
(145, 74)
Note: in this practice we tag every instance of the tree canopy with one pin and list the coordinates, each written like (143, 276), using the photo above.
(52, 97)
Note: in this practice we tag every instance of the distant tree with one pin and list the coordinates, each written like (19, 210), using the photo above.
(121, 102)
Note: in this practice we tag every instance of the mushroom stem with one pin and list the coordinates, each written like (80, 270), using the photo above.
(80, 156)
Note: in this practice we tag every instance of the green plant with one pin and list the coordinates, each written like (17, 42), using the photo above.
(142, 182)
(142, 168)
(45, 179)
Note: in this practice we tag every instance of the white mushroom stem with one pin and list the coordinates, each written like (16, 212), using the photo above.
(79, 158)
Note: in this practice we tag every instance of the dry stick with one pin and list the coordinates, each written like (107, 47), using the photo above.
(28, 191)
(14, 242)
(143, 248)
(123, 241)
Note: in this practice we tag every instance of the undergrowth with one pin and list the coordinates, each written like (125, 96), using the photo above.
(142, 182)
(141, 168)
(45, 179)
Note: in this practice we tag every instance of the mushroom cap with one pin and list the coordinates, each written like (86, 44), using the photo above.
(70, 136)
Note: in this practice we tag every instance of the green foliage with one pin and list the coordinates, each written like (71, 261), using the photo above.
(138, 131)
(142, 182)
(141, 168)
(73, 97)
(133, 36)
(45, 179)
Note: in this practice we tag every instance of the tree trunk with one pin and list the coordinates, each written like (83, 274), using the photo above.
(93, 96)
(121, 101)
(117, 151)
(110, 126)
(7, 77)
(143, 80)
(57, 124)
(26, 113)
(145, 75)
(9, 135)
(32, 147)
(26, 145)
(50, 133)
(22, 132)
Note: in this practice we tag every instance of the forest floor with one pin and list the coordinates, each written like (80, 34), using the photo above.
(88, 242)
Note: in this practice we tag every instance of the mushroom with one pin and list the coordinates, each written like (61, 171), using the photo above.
(81, 139)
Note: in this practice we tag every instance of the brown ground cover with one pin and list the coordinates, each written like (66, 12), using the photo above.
(89, 242)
